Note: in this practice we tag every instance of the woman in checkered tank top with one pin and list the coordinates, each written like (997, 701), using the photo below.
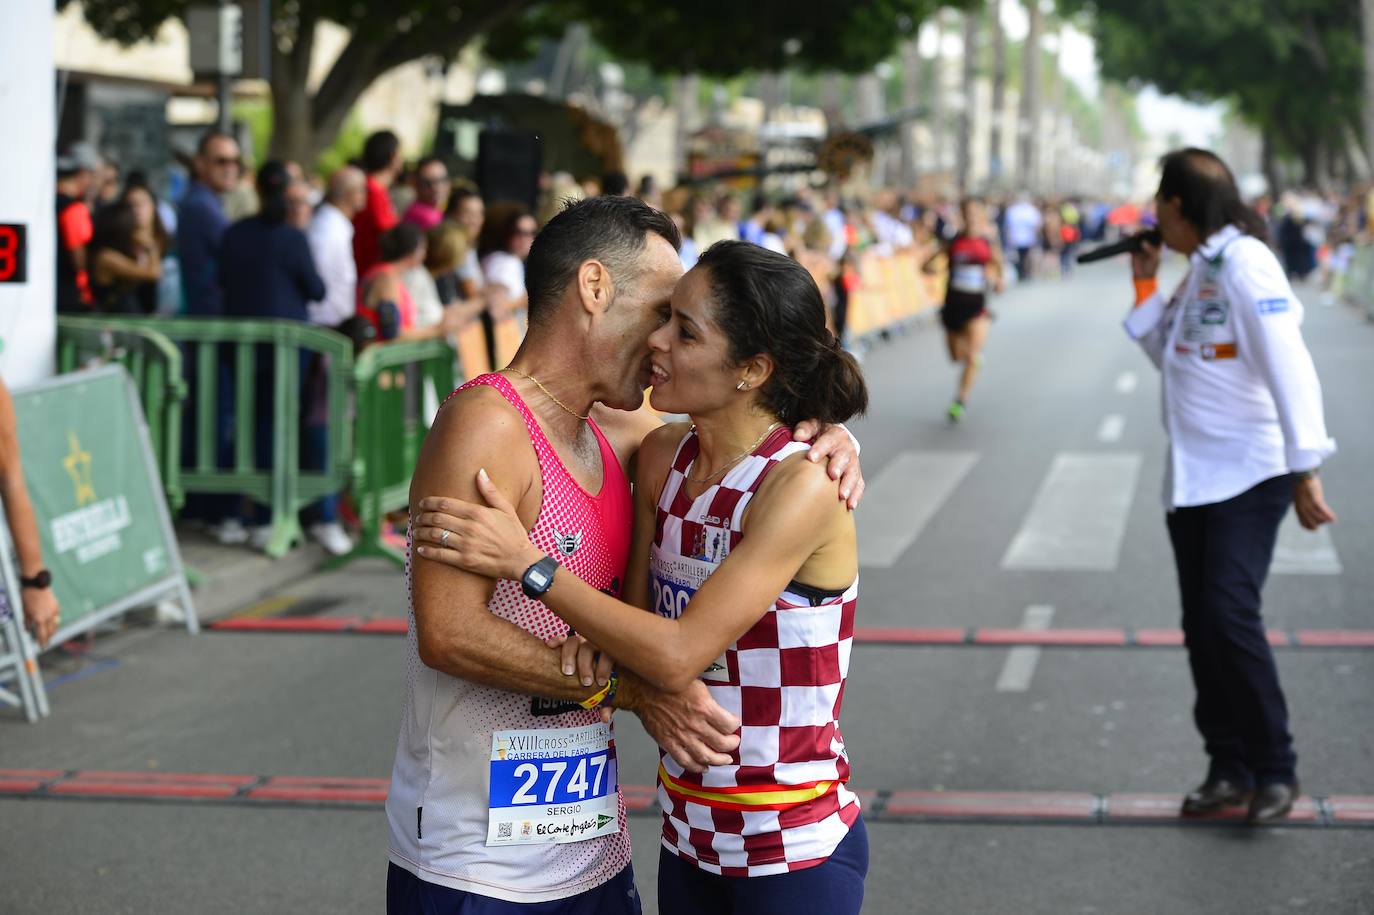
(750, 564)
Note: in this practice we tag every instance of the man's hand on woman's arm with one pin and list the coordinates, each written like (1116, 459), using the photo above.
(835, 445)
(689, 725)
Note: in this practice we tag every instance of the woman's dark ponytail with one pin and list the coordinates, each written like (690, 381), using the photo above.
(841, 389)
(766, 302)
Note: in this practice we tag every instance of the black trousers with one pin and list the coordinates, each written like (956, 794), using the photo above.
(1223, 551)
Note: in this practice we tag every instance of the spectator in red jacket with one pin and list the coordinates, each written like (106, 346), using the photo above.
(382, 163)
(75, 174)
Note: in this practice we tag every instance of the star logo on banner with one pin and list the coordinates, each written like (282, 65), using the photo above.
(78, 467)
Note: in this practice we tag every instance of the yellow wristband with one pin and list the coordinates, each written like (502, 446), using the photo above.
(598, 697)
(1144, 288)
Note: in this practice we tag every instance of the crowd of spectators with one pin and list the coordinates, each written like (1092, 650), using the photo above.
(382, 250)
(271, 244)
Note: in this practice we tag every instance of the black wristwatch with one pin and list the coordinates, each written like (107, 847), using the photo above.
(538, 578)
(41, 581)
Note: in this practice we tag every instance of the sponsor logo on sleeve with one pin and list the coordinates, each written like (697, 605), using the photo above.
(1271, 306)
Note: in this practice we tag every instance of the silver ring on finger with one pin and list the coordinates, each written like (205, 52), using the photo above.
(443, 538)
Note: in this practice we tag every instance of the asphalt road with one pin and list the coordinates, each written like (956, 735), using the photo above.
(1041, 509)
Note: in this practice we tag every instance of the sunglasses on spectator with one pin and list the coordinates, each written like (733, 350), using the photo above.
(227, 160)
(434, 181)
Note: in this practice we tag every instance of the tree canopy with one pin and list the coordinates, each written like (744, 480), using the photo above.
(1291, 68)
(726, 37)
(711, 37)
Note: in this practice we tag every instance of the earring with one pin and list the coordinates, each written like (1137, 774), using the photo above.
(742, 386)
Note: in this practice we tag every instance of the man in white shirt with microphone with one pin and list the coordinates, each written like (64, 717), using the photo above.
(1243, 410)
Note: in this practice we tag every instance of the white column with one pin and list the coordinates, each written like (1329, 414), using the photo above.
(28, 310)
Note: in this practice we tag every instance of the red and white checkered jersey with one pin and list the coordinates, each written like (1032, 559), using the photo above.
(437, 805)
(782, 803)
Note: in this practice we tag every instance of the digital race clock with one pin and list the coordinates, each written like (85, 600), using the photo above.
(13, 252)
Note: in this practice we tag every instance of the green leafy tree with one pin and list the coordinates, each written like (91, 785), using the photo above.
(723, 38)
(712, 37)
(382, 36)
(1291, 68)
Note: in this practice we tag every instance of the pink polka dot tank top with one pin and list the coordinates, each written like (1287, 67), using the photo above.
(437, 806)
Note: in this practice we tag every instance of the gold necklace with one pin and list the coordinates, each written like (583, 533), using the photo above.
(737, 458)
(548, 393)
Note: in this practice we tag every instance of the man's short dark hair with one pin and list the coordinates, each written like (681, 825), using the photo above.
(380, 151)
(211, 136)
(612, 230)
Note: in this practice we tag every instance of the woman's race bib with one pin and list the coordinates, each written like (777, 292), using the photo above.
(969, 278)
(673, 581)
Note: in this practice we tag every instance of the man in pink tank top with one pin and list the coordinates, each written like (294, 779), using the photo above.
(505, 784)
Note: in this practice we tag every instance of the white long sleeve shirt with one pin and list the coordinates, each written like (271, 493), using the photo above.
(331, 243)
(1241, 398)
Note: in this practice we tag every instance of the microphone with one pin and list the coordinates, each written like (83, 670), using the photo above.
(1125, 246)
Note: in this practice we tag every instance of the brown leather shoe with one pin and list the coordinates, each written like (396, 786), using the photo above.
(1273, 802)
(1214, 795)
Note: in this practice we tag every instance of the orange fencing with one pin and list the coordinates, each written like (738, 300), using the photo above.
(891, 289)
(472, 346)
(472, 350)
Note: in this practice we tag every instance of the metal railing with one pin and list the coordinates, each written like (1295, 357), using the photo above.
(225, 362)
(154, 364)
(396, 385)
(193, 374)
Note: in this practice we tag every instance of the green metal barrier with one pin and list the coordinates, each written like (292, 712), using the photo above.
(284, 486)
(391, 381)
(154, 363)
(391, 385)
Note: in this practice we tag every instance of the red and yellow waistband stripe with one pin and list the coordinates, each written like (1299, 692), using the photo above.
(746, 797)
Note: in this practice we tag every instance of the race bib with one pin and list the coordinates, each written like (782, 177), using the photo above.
(674, 580)
(969, 278)
(554, 785)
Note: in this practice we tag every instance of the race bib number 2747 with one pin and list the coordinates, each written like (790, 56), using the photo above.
(552, 785)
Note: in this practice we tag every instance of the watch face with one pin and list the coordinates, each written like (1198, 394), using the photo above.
(42, 580)
(538, 578)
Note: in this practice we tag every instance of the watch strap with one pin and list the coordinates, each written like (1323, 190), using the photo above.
(41, 579)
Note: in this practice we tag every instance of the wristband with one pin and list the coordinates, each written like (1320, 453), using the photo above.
(603, 695)
(1145, 287)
